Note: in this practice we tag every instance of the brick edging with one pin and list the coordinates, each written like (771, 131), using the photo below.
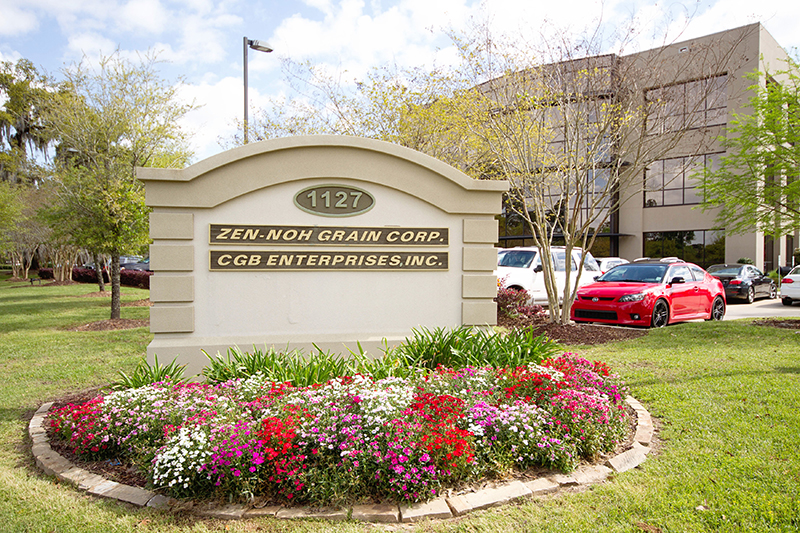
(53, 464)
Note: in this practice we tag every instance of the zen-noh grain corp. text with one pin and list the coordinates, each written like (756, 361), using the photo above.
(327, 235)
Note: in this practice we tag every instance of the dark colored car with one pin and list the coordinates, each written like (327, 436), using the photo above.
(744, 282)
(143, 264)
(650, 293)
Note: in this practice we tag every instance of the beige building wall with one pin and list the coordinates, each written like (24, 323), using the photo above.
(744, 50)
(198, 306)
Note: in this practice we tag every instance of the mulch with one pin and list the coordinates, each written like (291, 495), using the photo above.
(112, 324)
(778, 323)
(573, 334)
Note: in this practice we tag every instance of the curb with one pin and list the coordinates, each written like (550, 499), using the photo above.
(53, 464)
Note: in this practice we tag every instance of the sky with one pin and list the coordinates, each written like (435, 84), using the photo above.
(201, 41)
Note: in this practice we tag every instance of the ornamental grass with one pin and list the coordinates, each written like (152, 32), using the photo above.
(353, 439)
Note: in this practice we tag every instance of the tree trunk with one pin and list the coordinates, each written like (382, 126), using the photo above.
(115, 294)
(27, 260)
(16, 265)
(98, 267)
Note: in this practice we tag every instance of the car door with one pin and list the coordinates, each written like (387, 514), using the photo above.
(703, 293)
(682, 295)
(759, 281)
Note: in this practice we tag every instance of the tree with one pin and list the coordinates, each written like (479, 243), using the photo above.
(756, 184)
(113, 118)
(25, 93)
(572, 129)
(10, 210)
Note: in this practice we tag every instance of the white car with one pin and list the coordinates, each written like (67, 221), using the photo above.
(607, 263)
(521, 268)
(790, 286)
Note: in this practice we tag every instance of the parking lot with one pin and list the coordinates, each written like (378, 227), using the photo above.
(761, 308)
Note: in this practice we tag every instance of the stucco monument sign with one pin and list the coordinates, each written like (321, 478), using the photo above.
(326, 240)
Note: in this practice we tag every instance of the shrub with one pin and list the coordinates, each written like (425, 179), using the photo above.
(135, 278)
(293, 367)
(468, 347)
(745, 261)
(129, 278)
(145, 374)
(513, 303)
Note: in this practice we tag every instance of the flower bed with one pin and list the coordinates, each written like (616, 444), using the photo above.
(353, 438)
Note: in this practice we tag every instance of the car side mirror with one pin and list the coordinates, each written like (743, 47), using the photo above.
(538, 268)
(677, 279)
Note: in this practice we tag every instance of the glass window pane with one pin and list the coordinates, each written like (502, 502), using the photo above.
(717, 93)
(673, 172)
(691, 195)
(653, 245)
(653, 199)
(673, 196)
(715, 117)
(714, 249)
(681, 271)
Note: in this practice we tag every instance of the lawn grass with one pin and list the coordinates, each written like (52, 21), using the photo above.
(725, 396)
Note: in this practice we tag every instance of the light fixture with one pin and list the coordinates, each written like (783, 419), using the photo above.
(261, 46)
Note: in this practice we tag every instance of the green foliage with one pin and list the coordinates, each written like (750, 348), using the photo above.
(25, 94)
(745, 261)
(425, 350)
(112, 119)
(466, 346)
(10, 211)
(293, 366)
(146, 374)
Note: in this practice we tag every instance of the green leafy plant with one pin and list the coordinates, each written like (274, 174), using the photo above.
(292, 366)
(145, 374)
(467, 346)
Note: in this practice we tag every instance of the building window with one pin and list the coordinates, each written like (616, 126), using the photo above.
(673, 182)
(702, 247)
(684, 106)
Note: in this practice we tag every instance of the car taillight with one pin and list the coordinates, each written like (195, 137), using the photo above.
(735, 282)
(787, 280)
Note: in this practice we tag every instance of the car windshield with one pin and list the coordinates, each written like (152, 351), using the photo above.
(517, 259)
(636, 272)
(724, 270)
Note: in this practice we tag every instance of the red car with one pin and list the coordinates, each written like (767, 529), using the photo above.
(651, 293)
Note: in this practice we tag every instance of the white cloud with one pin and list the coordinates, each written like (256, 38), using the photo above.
(16, 20)
(144, 15)
(91, 45)
(223, 104)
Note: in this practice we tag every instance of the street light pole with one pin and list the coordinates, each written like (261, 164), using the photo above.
(261, 47)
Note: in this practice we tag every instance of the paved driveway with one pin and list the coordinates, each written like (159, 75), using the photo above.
(761, 308)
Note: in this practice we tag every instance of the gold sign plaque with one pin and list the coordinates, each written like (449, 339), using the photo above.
(327, 235)
(334, 200)
(313, 260)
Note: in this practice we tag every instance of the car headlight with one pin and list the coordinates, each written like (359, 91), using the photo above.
(636, 297)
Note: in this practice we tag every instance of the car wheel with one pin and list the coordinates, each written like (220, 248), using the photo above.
(660, 314)
(751, 295)
(773, 291)
(786, 301)
(717, 309)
